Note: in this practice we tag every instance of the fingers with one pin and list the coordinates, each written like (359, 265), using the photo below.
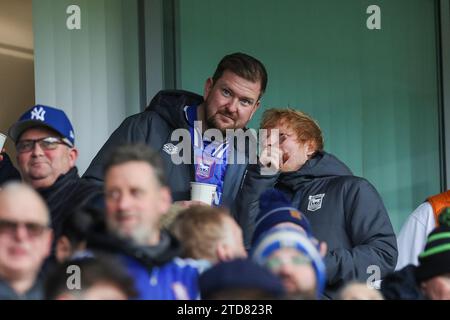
(271, 139)
(271, 157)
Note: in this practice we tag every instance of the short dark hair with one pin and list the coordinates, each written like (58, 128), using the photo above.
(81, 223)
(136, 152)
(245, 67)
(102, 268)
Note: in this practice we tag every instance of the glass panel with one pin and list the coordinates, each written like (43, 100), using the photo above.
(374, 92)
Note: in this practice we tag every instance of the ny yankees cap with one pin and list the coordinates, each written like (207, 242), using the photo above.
(44, 116)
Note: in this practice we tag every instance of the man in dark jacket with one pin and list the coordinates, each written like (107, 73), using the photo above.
(344, 211)
(46, 155)
(230, 99)
(136, 198)
(25, 240)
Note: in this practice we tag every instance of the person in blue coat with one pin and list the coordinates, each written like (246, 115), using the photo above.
(136, 197)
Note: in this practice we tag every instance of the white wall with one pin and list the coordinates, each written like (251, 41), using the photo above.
(91, 73)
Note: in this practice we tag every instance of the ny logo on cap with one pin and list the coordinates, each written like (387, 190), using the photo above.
(38, 114)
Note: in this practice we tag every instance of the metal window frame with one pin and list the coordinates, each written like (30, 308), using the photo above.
(443, 41)
(159, 63)
(157, 54)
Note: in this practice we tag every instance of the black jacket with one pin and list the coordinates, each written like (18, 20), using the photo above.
(154, 127)
(150, 256)
(67, 194)
(7, 171)
(402, 285)
(344, 211)
(36, 292)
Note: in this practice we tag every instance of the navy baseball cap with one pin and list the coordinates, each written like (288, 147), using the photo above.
(239, 274)
(44, 116)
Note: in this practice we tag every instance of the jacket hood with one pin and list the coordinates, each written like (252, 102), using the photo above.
(321, 165)
(169, 104)
(402, 285)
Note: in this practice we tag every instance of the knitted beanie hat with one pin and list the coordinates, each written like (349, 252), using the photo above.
(287, 237)
(275, 208)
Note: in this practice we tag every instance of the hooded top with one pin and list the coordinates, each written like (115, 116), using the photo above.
(344, 211)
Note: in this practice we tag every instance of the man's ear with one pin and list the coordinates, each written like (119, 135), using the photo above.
(165, 200)
(310, 148)
(65, 296)
(63, 249)
(223, 252)
(208, 86)
(73, 156)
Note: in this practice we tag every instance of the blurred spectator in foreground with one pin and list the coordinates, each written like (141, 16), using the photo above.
(359, 291)
(76, 230)
(293, 257)
(25, 241)
(136, 199)
(90, 278)
(240, 279)
(430, 279)
(209, 233)
(413, 235)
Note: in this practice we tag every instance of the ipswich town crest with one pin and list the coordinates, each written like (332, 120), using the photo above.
(315, 202)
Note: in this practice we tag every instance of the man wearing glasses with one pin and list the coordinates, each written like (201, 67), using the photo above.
(25, 240)
(46, 155)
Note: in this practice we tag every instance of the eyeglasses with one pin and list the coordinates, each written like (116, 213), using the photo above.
(33, 229)
(276, 263)
(47, 143)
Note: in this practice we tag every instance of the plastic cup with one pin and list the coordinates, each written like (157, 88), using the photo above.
(203, 192)
(2, 141)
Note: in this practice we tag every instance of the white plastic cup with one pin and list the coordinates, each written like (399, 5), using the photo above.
(2, 141)
(203, 192)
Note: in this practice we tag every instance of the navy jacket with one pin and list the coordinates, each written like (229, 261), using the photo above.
(344, 211)
(68, 194)
(402, 285)
(154, 127)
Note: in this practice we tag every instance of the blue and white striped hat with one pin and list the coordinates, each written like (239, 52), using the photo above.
(288, 237)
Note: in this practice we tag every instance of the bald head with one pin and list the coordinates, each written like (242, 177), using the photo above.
(19, 201)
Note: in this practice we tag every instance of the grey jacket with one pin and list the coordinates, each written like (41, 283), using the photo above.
(344, 211)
